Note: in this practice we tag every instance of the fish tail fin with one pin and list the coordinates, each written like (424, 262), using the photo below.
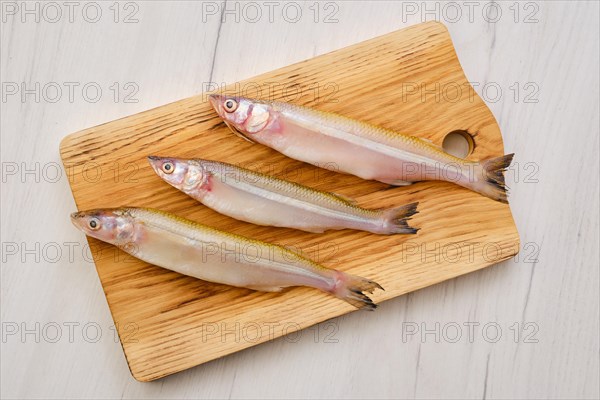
(493, 184)
(395, 220)
(350, 288)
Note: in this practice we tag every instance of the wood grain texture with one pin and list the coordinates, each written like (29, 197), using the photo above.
(461, 231)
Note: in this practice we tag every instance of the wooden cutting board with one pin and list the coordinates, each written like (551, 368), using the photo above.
(409, 81)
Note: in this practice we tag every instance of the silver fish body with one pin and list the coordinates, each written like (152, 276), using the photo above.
(206, 253)
(345, 145)
(265, 200)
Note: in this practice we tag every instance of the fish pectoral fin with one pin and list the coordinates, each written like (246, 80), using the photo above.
(237, 132)
(244, 137)
(347, 199)
(261, 288)
(396, 182)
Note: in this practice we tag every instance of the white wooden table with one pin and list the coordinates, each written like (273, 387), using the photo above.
(526, 328)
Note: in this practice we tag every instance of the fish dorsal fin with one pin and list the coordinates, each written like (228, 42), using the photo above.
(430, 142)
(346, 199)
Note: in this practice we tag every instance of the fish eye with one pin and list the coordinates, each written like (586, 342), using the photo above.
(94, 224)
(168, 168)
(230, 105)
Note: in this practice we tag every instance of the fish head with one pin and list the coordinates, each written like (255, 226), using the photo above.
(245, 117)
(115, 226)
(184, 174)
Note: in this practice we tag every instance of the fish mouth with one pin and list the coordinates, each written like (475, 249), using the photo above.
(155, 162)
(76, 219)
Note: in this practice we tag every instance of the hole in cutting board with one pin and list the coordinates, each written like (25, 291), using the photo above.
(458, 143)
